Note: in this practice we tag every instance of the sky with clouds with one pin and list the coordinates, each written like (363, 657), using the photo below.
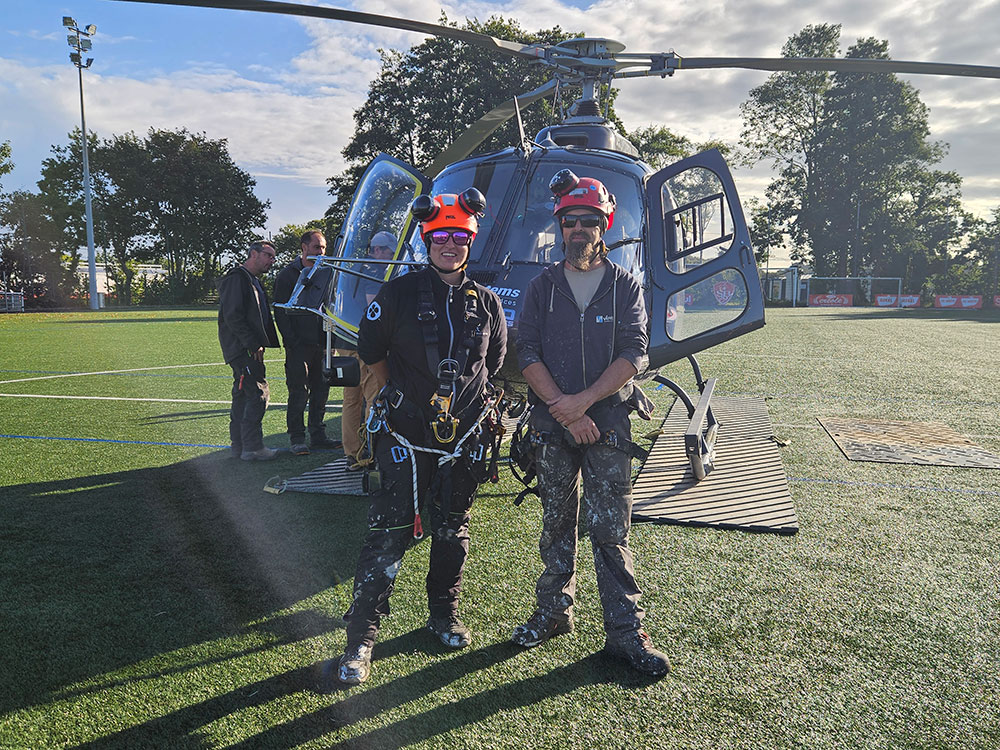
(282, 90)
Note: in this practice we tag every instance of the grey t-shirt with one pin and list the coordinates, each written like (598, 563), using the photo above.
(583, 283)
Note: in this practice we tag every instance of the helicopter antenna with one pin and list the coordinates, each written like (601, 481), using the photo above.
(525, 143)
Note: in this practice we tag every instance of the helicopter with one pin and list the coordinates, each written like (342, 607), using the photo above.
(681, 230)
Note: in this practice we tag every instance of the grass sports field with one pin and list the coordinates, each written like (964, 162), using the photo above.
(153, 596)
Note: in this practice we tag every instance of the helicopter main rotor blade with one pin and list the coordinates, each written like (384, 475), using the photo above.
(666, 64)
(481, 129)
(532, 51)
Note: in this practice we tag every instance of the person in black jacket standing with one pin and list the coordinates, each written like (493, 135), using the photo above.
(433, 338)
(245, 330)
(582, 338)
(305, 351)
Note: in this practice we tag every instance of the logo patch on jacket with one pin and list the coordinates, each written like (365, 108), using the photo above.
(374, 311)
(605, 318)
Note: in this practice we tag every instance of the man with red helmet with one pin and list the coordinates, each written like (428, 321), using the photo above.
(433, 339)
(581, 340)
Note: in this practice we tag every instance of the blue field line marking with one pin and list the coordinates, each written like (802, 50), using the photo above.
(108, 440)
(888, 486)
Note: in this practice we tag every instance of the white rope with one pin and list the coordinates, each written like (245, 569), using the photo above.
(443, 458)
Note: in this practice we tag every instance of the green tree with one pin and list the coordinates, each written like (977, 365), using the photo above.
(425, 98)
(32, 257)
(780, 124)
(203, 208)
(6, 165)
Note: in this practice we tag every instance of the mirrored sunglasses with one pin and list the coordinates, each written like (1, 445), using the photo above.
(460, 237)
(589, 221)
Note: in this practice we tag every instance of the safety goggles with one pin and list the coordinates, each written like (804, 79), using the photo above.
(459, 237)
(588, 221)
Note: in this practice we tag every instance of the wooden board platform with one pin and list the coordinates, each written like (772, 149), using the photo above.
(747, 491)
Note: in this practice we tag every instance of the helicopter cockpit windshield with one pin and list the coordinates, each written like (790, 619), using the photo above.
(534, 237)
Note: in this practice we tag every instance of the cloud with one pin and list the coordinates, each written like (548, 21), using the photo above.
(287, 118)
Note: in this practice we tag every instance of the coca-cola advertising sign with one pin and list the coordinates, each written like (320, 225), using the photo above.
(831, 300)
(961, 301)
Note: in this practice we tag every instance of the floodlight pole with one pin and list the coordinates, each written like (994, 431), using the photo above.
(77, 59)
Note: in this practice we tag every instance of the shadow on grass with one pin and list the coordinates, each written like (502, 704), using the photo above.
(362, 704)
(923, 313)
(103, 572)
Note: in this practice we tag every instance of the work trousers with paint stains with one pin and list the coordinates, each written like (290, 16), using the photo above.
(250, 396)
(607, 500)
(390, 534)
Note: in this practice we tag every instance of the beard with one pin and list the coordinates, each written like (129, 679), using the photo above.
(582, 254)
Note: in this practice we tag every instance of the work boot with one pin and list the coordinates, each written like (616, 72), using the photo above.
(300, 449)
(355, 664)
(323, 443)
(264, 454)
(538, 629)
(450, 630)
(638, 650)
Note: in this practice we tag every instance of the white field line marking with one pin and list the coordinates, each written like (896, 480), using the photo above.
(118, 372)
(334, 404)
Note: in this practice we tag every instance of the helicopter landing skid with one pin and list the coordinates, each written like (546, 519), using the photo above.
(703, 428)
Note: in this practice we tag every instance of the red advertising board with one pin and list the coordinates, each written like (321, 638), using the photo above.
(959, 301)
(831, 300)
(889, 300)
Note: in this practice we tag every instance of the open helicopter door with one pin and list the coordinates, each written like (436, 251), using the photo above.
(380, 209)
(340, 287)
(706, 288)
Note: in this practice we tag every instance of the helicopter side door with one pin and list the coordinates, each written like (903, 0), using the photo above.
(705, 288)
(380, 206)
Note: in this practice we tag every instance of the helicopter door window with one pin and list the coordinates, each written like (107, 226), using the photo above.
(707, 304)
(535, 238)
(698, 217)
(492, 179)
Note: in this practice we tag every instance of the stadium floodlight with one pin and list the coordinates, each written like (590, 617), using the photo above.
(79, 46)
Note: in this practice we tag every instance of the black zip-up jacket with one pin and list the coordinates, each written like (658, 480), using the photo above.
(245, 323)
(298, 328)
(390, 331)
(578, 347)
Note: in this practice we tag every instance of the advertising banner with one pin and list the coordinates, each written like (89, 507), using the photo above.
(885, 300)
(910, 300)
(831, 300)
(960, 301)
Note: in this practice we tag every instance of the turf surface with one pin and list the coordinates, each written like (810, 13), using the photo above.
(154, 596)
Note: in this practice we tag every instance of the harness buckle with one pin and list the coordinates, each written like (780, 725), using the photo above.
(444, 427)
(395, 398)
(447, 370)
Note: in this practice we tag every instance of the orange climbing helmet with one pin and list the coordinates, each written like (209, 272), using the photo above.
(449, 211)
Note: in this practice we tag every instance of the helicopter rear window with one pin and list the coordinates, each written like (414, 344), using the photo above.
(492, 179)
(534, 237)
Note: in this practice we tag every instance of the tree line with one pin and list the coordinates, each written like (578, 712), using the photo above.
(857, 189)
